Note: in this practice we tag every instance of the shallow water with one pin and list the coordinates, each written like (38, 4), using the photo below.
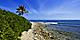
(65, 28)
(64, 25)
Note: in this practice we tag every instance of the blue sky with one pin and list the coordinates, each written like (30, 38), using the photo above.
(46, 9)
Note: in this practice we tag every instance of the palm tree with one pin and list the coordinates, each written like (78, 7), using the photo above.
(21, 10)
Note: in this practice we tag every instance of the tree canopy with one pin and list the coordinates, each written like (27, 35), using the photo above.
(21, 10)
(11, 25)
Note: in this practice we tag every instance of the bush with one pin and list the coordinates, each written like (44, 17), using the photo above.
(11, 25)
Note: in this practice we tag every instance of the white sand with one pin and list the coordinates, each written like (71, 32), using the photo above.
(30, 35)
(38, 32)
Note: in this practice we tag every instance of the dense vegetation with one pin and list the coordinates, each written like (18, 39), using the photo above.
(11, 25)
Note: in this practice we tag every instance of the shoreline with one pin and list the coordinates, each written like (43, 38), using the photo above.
(39, 31)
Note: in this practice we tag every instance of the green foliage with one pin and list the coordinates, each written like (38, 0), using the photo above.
(21, 10)
(11, 25)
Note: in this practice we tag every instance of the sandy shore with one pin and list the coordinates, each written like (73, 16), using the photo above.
(39, 31)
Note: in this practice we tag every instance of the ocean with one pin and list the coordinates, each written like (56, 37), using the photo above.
(64, 25)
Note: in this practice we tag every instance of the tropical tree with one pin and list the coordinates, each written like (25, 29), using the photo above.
(21, 10)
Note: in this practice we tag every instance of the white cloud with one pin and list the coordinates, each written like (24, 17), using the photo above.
(69, 9)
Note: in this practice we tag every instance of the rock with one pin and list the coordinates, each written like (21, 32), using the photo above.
(39, 32)
(27, 35)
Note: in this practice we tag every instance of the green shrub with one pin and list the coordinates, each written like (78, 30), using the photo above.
(11, 25)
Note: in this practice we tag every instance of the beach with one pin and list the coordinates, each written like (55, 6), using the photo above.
(39, 31)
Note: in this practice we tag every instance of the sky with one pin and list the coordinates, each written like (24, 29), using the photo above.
(45, 9)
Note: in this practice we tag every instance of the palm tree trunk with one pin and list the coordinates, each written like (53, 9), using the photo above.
(22, 13)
